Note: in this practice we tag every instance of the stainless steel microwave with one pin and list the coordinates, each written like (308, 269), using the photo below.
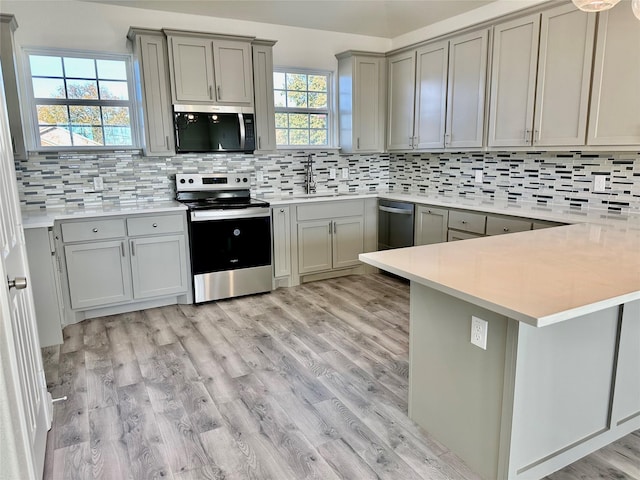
(209, 128)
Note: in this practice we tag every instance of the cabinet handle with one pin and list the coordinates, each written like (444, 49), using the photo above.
(282, 210)
(210, 92)
(335, 227)
(536, 136)
(155, 225)
(527, 134)
(219, 93)
(166, 139)
(358, 143)
(505, 229)
(447, 139)
(330, 228)
(133, 249)
(259, 143)
(122, 248)
(13, 144)
(95, 230)
(464, 222)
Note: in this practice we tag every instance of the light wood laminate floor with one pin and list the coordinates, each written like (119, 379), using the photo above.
(308, 382)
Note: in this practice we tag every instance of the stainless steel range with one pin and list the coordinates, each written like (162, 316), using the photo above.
(230, 236)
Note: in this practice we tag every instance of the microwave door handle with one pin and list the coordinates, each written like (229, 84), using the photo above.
(242, 131)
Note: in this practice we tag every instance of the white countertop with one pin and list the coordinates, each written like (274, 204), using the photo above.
(45, 218)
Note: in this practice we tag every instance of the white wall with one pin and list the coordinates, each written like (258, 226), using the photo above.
(92, 26)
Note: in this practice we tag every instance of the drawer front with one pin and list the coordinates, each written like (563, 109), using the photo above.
(467, 221)
(321, 210)
(454, 236)
(152, 224)
(498, 226)
(92, 230)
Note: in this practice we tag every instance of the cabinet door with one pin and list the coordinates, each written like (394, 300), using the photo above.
(348, 241)
(615, 96)
(402, 79)
(466, 90)
(314, 246)
(233, 73)
(281, 241)
(431, 95)
(158, 266)
(191, 69)
(265, 112)
(158, 121)
(513, 82)
(8, 25)
(98, 273)
(564, 75)
(431, 225)
(368, 105)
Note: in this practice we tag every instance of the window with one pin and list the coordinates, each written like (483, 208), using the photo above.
(302, 100)
(81, 100)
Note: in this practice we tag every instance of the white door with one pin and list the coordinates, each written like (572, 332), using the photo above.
(25, 404)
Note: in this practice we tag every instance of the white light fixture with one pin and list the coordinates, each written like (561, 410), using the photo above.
(596, 5)
(635, 6)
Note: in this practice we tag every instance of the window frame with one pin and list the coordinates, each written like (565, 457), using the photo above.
(330, 110)
(32, 102)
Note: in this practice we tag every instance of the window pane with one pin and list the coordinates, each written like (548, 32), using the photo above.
(86, 89)
(280, 98)
(281, 120)
(52, 114)
(112, 69)
(51, 136)
(87, 136)
(298, 120)
(296, 99)
(116, 116)
(114, 90)
(318, 121)
(117, 136)
(45, 66)
(85, 115)
(296, 81)
(48, 88)
(299, 137)
(281, 137)
(278, 80)
(79, 67)
(317, 83)
(317, 100)
(318, 137)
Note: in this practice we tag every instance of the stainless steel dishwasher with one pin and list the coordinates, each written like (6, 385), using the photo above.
(395, 224)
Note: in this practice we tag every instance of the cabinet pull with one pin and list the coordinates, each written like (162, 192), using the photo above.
(330, 228)
(527, 134)
(505, 229)
(259, 143)
(219, 93)
(447, 139)
(155, 225)
(335, 227)
(464, 222)
(122, 248)
(166, 139)
(210, 92)
(133, 249)
(282, 210)
(536, 136)
(358, 143)
(95, 230)
(13, 144)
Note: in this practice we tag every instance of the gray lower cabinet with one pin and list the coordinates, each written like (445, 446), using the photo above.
(347, 241)
(430, 225)
(153, 278)
(455, 235)
(281, 224)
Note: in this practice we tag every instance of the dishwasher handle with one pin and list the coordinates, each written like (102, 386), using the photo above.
(401, 211)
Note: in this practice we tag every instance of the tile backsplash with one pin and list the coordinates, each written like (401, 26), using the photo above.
(563, 178)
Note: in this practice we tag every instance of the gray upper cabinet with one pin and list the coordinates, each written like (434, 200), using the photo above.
(615, 97)
(212, 69)
(361, 89)
(264, 106)
(152, 75)
(437, 94)
(540, 79)
(8, 25)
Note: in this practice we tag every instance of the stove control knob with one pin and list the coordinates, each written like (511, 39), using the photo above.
(182, 180)
(245, 180)
(237, 179)
(191, 180)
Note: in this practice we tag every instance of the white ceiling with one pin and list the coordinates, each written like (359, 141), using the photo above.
(378, 18)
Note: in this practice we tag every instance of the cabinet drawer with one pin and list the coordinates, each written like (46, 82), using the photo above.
(317, 211)
(498, 225)
(454, 236)
(467, 221)
(92, 230)
(150, 225)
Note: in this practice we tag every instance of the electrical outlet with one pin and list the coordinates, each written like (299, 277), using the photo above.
(98, 184)
(599, 183)
(345, 173)
(259, 176)
(332, 174)
(479, 329)
(478, 176)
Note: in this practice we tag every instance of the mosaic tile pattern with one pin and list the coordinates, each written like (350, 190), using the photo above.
(67, 180)
(562, 178)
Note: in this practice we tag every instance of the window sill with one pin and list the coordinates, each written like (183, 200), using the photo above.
(91, 151)
(303, 148)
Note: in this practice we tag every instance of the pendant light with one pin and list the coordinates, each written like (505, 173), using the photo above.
(635, 6)
(598, 5)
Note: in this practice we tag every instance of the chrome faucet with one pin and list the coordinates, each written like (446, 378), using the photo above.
(309, 182)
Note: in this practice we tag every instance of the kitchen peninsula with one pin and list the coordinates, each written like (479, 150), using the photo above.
(560, 374)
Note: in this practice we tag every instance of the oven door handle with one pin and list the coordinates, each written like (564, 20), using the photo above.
(211, 215)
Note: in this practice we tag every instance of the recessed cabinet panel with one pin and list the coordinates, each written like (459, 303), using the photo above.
(513, 82)
(431, 225)
(615, 96)
(466, 90)
(192, 69)
(233, 75)
(158, 266)
(431, 95)
(281, 222)
(348, 241)
(368, 128)
(314, 246)
(402, 74)
(265, 112)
